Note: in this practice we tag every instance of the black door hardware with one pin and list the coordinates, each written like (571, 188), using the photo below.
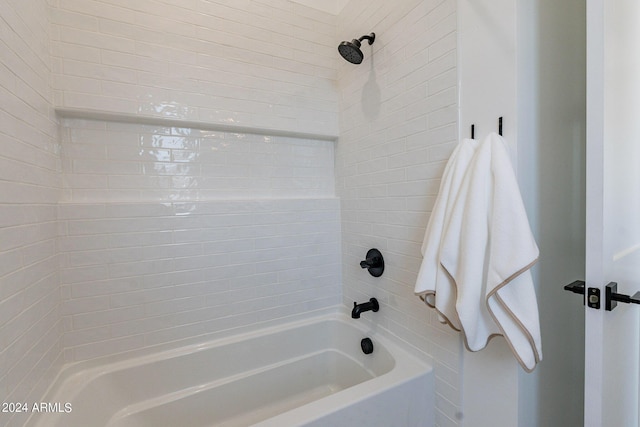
(612, 298)
(593, 298)
(576, 287)
(593, 294)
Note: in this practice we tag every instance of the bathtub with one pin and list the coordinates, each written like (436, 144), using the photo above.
(309, 372)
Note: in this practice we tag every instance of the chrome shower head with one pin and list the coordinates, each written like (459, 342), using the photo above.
(351, 50)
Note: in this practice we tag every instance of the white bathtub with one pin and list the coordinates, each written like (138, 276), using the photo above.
(304, 373)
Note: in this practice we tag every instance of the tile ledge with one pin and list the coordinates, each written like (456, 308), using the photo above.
(74, 113)
(178, 202)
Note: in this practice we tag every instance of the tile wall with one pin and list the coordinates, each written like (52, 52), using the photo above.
(253, 63)
(144, 234)
(170, 233)
(398, 118)
(151, 250)
(30, 329)
(110, 161)
(143, 274)
(226, 216)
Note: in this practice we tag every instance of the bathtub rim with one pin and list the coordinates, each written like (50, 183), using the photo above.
(412, 359)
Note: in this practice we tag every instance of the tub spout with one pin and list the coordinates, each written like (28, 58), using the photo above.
(358, 309)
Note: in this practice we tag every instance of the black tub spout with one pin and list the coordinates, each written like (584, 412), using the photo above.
(358, 309)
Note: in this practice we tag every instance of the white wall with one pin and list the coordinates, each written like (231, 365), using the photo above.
(398, 118)
(331, 6)
(144, 274)
(253, 86)
(551, 166)
(172, 233)
(197, 168)
(30, 331)
(128, 162)
(258, 64)
(487, 52)
(487, 69)
(538, 85)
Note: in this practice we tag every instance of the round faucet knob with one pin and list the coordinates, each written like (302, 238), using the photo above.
(373, 262)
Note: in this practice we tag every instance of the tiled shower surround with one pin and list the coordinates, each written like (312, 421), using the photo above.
(255, 63)
(111, 161)
(141, 274)
(30, 325)
(398, 119)
(279, 166)
(167, 233)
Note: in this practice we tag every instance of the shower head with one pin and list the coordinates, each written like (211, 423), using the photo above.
(351, 50)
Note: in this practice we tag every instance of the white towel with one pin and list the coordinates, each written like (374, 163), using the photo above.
(488, 248)
(433, 283)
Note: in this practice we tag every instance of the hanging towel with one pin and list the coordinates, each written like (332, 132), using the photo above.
(488, 249)
(433, 283)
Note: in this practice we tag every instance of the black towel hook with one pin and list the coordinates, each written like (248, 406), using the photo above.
(473, 128)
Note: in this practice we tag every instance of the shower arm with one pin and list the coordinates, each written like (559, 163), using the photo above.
(370, 38)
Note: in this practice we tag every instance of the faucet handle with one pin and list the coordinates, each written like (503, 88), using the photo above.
(373, 262)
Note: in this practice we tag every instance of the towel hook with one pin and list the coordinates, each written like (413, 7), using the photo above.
(473, 128)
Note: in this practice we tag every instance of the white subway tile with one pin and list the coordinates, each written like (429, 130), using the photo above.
(106, 317)
(416, 117)
(126, 38)
(223, 263)
(79, 337)
(83, 274)
(84, 101)
(132, 256)
(104, 287)
(107, 347)
(84, 305)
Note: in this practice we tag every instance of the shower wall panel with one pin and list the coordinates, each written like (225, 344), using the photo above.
(30, 331)
(398, 126)
(213, 219)
(259, 64)
(168, 234)
(111, 161)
